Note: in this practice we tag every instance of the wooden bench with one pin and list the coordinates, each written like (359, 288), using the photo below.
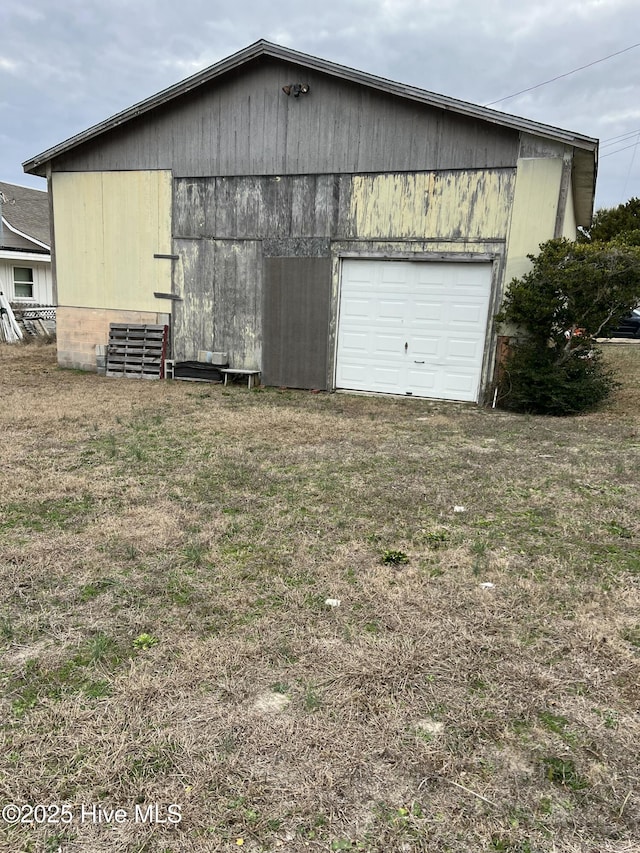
(253, 376)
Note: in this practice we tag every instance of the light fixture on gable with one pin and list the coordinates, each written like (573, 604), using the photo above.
(296, 89)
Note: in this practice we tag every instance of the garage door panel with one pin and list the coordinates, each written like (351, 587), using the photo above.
(359, 272)
(357, 344)
(439, 310)
(394, 273)
(386, 378)
(463, 350)
(382, 378)
(426, 346)
(353, 308)
(392, 310)
(389, 345)
(423, 380)
(467, 313)
(427, 312)
(472, 276)
(431, 274)
(354, 374)
(462, 382)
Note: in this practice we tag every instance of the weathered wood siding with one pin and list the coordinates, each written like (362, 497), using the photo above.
(465, 204)
(220, 282)
(256, 270)
(108, 226)
(243, 124)
(260, 207)
(444, 205)
(296, 314)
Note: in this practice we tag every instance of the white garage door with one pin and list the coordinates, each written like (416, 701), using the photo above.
(412, 327)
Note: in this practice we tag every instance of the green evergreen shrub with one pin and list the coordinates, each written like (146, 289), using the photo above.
(538, 383)
(573, 294)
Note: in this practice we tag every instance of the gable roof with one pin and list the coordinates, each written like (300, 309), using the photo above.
(25, 214)
(586, 147)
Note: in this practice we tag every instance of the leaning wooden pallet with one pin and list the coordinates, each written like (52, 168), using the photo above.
(136, 351)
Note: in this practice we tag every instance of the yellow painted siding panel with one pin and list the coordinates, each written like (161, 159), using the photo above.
(108, 226)
(535, 207)
(469, 205)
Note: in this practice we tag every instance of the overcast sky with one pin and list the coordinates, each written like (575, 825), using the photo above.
(68, 64)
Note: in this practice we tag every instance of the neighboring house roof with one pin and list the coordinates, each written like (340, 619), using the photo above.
(585, 165)
(25, 218)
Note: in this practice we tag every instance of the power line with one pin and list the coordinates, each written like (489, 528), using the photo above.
(624, 138)
(609, 139)
(560, 76)
(626, 148)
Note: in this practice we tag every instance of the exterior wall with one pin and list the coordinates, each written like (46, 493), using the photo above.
(535, 210)
(220, 284)
(108, 226)
(80, 330)
(453, 205)
(243, 124)
(229, 230)
(42, 282)
(469, 205)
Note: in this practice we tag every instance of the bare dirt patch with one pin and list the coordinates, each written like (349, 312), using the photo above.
(167, 551)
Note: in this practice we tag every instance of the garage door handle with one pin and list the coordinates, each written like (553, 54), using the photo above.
(418, 362)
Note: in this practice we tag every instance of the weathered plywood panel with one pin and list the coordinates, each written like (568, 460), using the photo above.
(535, 208)
(297, 301)
(193, 278)
(450, 205)
(108, 226)
(220, 282)
(243, 124)
(260, 207)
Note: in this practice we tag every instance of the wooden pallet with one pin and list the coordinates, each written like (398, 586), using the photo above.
(136, 351)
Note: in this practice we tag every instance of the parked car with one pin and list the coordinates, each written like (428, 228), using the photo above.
(629, 327)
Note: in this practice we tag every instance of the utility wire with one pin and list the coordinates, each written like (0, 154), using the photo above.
(625, 137)
(560, 76)
(610, 139)
(633, 157)
(626, 148)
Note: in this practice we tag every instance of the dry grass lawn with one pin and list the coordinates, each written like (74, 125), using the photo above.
(167, 551)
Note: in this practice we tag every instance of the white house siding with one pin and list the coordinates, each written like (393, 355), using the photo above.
(42, 279)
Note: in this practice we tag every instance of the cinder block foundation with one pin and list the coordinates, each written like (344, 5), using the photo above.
(80, 330)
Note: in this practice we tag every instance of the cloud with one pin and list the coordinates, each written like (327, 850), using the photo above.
(621, 116)
(73, 64)
(11, 66)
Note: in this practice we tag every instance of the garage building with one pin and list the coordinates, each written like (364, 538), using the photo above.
(326, 227)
